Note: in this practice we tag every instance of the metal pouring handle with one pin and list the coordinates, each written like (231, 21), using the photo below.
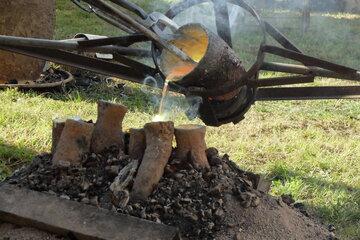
(104, 6)
(132, 7)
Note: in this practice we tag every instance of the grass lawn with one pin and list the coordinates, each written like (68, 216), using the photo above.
(311, 149)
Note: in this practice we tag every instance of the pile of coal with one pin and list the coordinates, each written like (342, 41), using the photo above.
(50, 76)
(187, 198)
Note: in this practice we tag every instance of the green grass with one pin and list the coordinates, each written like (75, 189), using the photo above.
(311, 149)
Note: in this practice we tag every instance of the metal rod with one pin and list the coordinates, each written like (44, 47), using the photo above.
(299, 69)
(277, 81)
(77, 3)
(134, 64)
(115, 23)
(307, 60)
(131, 7)
(79, 61)
(104, 6)
(69, 46)
(280, 38)
(124, 41)
(308, 93)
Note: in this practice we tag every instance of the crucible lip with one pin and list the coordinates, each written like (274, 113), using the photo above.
(190, 127)
(199, 27)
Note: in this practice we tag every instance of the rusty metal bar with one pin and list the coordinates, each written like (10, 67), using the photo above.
(134, 64)
(308, 93)
(307, 60)
(104, 6)
(124, 41)
(79, 61)
(277, 81)
(116, 23)
(78, 3)
(299, 69)
(69, 46)
(280, 38)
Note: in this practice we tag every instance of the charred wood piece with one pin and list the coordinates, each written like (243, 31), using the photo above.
(121, 183)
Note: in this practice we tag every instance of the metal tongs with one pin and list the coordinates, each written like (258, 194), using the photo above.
(151, 25)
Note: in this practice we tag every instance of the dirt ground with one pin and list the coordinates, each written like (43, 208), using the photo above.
(12, 232)
(272, 219)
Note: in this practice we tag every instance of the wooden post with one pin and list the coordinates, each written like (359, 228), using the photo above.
(159, 136)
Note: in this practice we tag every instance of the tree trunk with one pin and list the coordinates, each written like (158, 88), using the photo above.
(30, 18)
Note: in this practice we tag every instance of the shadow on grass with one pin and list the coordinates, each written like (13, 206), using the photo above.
(135, 97)
(13, 157)
(130, 95)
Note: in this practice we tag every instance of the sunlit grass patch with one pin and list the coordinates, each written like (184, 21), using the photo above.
(340, 15)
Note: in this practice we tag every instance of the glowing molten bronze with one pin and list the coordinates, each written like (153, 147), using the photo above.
(216, 65)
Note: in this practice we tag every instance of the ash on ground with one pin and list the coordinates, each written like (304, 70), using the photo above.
(217, 204)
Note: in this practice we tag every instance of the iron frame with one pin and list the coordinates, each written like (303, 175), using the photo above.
(140, 27)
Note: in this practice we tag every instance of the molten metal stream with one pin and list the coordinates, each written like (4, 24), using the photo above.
(164, 94)
(194, 42)
(176, 73)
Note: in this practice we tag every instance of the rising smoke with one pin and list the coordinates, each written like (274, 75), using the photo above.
(175, 105)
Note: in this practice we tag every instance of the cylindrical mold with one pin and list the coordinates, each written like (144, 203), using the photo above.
(73, 144)
(137, 143)
(190, 142)
(108, 127)
(57, 128)
(30, 18)
(159, 136)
